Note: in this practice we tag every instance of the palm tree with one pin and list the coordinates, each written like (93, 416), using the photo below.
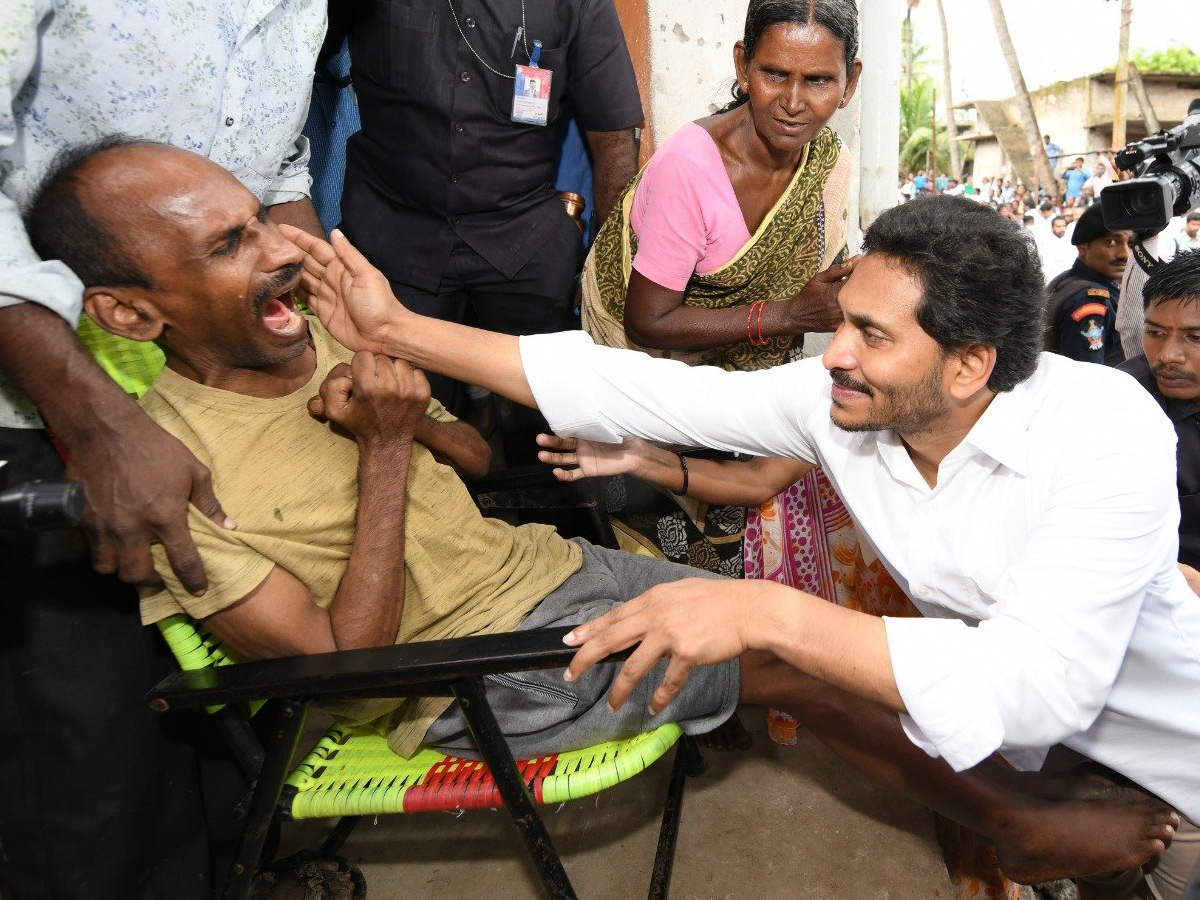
(951, 126)
(1024, 103)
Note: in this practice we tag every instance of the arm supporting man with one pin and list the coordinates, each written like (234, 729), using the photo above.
(380, 401)
(137, 479)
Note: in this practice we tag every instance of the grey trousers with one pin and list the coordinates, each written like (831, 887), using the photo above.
(540, 713)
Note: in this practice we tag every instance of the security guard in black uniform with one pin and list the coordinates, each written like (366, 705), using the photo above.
(1081, 305)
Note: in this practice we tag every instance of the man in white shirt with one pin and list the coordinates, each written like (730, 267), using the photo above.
(1054, 611)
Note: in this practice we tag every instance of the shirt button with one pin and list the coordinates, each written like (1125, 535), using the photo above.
(923, 593)
(454, 221)
(459, 127)
(470, 23)
(229, 121)
(454, 179)
(464, 77)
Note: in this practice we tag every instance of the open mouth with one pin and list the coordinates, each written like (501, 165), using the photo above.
(278, 312)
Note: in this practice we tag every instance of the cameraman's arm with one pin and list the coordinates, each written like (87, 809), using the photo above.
(379, 401)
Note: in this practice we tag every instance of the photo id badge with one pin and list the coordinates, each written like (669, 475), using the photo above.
(531, 95)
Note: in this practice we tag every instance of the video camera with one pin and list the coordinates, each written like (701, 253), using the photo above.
(1167, 182)
(39, 505)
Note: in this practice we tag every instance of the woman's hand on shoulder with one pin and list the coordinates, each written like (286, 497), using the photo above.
(815, 308)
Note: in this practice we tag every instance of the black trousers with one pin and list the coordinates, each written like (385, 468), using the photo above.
(99, 797)
(538, 300)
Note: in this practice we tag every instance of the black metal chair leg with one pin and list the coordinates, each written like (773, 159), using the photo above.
(332, 845)
(282, 735)
(686, 759)
(494, 749)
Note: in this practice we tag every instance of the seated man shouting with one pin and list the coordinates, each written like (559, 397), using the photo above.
(349, 532)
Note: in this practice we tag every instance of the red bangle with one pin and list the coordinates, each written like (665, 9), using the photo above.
(762, 341)
(749, 320)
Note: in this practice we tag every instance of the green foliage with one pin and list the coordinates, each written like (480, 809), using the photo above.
(915, 129)
(1176, 59)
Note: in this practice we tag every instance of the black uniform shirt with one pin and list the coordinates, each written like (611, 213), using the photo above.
(1185, 414)
(439, 155)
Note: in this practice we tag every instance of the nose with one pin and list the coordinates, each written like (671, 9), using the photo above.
(840, 352)
(793, 97)
(1173, 350)
(277, 249)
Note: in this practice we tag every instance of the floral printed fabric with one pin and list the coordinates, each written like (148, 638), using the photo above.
(229, 79)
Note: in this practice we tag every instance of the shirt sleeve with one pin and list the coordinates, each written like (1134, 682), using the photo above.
(1041, 666)
(602, 84)
(293, 181)
(233, 568)
(24, 277)
(1081, 326)
(613, 393)
(672, 231)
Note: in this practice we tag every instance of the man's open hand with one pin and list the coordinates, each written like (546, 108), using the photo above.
(693, 622)
(350, 296)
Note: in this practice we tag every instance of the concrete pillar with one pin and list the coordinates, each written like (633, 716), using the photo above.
(878, 107)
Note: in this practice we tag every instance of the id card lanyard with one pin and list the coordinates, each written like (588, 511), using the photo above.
(531, 90)
(531, 84)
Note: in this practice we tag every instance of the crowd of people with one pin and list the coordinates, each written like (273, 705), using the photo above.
(931, 545)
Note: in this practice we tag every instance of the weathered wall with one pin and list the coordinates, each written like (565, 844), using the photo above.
(691, 52)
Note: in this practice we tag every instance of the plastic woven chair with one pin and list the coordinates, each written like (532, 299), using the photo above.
(351, 772)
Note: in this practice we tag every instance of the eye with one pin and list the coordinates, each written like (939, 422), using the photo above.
(874, 338)
(819, 79)
(1154, 334)
(229, 248)
(1194, 339)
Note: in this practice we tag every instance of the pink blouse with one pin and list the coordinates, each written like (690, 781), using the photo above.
(684, 211)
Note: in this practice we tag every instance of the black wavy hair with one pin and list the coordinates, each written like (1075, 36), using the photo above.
(980, 275)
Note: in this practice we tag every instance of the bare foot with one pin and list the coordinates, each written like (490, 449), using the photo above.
(1123, 829)
(728, 736)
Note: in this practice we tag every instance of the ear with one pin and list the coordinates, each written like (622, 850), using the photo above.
(126, 312)
(741, 65)
(851, 83)
(970, 369)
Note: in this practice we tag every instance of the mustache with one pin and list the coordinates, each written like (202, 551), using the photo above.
(278, 282)
(1168, 372)
(842, 379)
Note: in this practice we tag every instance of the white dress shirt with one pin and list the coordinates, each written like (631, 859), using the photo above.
(229, 79)
(1043, 560)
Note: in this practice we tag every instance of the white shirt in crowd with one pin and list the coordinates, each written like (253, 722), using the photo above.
(1043, 560)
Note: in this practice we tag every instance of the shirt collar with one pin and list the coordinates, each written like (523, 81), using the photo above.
(1001, 431)
(998, 434)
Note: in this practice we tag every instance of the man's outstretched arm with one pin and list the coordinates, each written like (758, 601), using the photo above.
(355, 302)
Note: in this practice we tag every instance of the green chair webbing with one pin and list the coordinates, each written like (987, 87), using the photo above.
(352, 772)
